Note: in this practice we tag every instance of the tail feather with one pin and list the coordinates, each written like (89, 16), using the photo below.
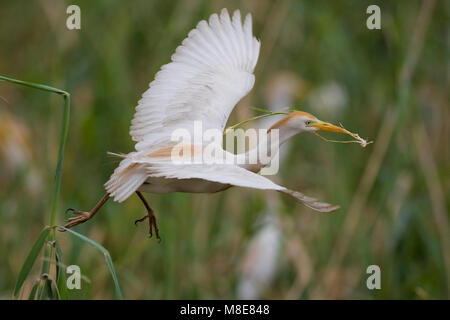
(125, 180)
(120, 155)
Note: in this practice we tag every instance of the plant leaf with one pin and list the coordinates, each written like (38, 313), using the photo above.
(32, 295)
(108, 259)
(31, 258)
(60, 273)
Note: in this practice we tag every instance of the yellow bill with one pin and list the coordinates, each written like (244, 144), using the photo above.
(326, 126)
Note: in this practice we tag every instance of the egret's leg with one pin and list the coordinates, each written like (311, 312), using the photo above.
(150, 216)
(85, 216)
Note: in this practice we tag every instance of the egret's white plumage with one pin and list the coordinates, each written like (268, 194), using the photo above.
(210, 72)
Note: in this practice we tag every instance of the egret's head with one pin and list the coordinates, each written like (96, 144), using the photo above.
(300, 121)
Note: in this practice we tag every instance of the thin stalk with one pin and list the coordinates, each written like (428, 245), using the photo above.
(268, 114)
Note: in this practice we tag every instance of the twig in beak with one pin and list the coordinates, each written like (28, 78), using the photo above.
(362, 142)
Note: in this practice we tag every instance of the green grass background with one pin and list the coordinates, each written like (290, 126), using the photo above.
(394, 194)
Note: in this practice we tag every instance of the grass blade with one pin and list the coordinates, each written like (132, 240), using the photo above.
(33, 85)
(48, 290)
(31, 258)
(108, 259)
(60, 273)
(32, 295)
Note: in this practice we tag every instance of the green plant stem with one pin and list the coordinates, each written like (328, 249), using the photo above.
(268, 114)
(58, 174)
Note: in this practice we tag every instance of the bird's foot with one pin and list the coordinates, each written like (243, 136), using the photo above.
(152, 224)
(82, 216)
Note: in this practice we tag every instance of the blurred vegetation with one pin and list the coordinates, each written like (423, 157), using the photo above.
(394, 194)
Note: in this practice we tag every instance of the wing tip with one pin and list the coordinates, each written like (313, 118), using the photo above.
(311, 202)
(224, 12)
(237, 16)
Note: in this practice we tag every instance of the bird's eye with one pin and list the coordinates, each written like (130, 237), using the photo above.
(308, 122)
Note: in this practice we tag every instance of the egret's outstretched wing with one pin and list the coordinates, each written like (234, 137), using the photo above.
(210, 72)
(232, 175)
(222, 173)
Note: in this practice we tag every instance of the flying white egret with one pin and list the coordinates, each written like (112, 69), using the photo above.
(209, 73)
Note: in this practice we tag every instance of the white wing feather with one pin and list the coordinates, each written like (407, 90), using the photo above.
(134, 171)
(232, 175)
(222, 173)
(210, 72)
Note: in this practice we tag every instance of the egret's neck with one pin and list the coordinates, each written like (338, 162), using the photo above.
(267, 148)
(284, 132)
